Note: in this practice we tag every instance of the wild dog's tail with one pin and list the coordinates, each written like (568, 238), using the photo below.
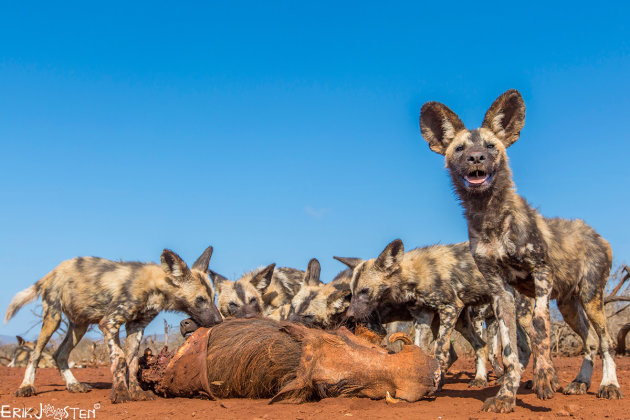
(21, 299)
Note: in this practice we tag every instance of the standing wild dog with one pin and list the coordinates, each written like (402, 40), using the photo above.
(258, 292)
(440, 279)
(515, 247)
(90, 290)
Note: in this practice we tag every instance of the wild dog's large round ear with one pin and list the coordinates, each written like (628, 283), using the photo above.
(439, 125)
(262, 279)
(350, 262)
(203, 261)
(506, 117)
(391, 257)
(217, 279)
(174, 267)
(20, 340)
(311, 277)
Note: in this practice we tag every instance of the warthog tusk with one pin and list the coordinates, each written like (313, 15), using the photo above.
(400, 336)
(390, 399)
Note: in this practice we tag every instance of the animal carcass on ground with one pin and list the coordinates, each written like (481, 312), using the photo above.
(263, 358)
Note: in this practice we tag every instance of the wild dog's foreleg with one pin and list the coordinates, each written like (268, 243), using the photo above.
(524, 320)
(423, 335)
(61, 356)
(135, 331)
(448, 318)
(504, 310)
(573, 314)
(110, 326)
(52, 318)
(609, 388)
(470, 326)
(545, 379)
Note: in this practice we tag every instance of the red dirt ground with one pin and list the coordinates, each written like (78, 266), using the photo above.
(456, 401)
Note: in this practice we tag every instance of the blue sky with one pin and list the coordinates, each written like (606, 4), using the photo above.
(282, 131)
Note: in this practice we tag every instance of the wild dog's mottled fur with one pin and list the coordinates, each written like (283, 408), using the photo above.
(438, 279)
(90, 290)
(22, 354)
(260, 291)
(517, 248)
(320, 304)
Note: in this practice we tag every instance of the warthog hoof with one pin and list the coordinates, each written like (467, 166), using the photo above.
(576, 388)
(611, 392)
(478, 383)
(79, 387)
(25, 391)
(120, 394)
(499, 404)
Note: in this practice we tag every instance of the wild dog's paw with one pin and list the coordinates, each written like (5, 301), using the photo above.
(25, 391)
(141, 395)
(499, 404)
(79, 387)
(545, 383)
(478, 383)
(610, 392)
(576, 388)
(120, 394)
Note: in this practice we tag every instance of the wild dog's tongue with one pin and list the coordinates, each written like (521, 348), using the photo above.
(476, 179)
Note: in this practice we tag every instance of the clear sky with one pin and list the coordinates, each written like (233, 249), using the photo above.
(282, 131)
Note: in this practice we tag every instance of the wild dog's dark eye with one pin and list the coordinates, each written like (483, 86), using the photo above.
(252, 300)
(232, 305)
(201, 300)
(364, 292)
(459, 148)
(490, 146)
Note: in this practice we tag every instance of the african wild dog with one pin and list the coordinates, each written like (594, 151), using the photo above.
(320, 304)
(90, 290)
(258, 292)
(23, 351)
(439, 279)
(517, 248)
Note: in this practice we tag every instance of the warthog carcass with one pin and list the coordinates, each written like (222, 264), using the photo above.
(263, 358)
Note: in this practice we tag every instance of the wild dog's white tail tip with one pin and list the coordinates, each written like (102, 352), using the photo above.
(19, 300)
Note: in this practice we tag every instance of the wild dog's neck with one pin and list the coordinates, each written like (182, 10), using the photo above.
(489, 208)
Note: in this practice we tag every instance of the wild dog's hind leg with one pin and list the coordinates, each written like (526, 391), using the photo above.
(545, 379)
(110, 328)
(609, 388)
(470, 326)
(61, 356)
(134, 337)
(52, 318)
(573, 314)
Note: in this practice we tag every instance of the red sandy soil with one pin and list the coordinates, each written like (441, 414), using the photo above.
(455, 401)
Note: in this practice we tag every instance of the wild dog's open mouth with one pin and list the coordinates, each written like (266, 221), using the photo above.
(477, 178)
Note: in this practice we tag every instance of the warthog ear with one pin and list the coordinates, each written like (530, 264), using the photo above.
(20, 340)
(506, 117)
(311, 277)
(297, 390)
(439, 125)
(391, 257)
(350, 262)
(175, 267)
(262, 279)
(203, 261)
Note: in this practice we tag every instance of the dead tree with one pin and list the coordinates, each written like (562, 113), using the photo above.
(613, 297)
